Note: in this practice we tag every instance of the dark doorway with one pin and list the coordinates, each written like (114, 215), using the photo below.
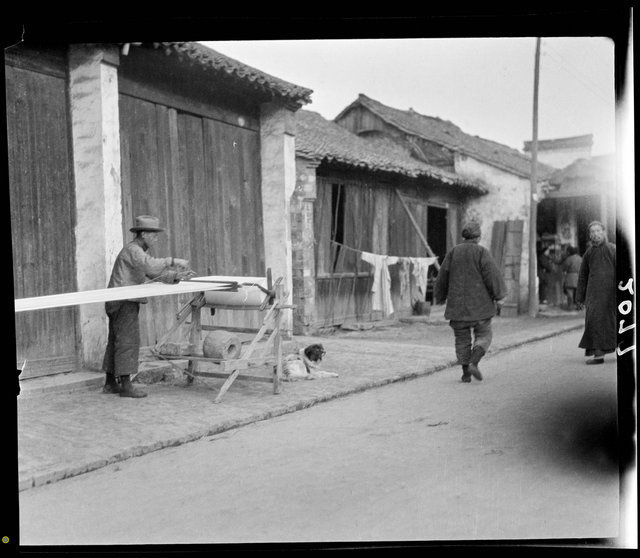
(546, 217)
(437, 239)
(337, 220)
(437, 231)
(587, 210)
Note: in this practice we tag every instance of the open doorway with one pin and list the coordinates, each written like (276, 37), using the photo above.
(437, 230)
(437, 238)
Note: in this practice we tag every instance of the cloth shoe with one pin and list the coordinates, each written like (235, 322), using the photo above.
(476, 354)
(595, 361)
(111, 385)
(466, 377)
(127, 389)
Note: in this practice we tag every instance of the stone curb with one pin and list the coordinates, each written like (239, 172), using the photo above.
(136, 451)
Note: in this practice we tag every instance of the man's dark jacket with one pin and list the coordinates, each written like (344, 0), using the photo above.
(470, 282)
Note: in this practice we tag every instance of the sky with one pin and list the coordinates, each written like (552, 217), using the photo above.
(483, 85)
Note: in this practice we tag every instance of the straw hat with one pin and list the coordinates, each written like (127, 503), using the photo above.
(147, 223)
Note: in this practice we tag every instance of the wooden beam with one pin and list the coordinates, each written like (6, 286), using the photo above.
(417, 228)
(256, 378)
(246, 363)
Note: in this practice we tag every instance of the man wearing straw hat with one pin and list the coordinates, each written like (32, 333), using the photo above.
(471, 283)
(134, 266)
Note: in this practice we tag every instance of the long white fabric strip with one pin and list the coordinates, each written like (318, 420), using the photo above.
(381, 287)
(129, 292)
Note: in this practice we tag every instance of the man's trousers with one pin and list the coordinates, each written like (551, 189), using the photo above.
(123, 345)
(463, 330)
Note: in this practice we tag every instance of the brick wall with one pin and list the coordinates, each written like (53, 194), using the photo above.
(303, 246)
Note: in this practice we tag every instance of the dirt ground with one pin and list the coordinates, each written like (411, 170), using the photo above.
(529, 453)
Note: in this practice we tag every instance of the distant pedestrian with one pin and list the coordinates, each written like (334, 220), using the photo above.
(596, 289)
(571, 268)
(471, 284)
(133, 266)
(545, 270)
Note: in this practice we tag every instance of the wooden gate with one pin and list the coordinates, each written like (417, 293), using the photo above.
(343, 212)
(201, 177)
(506, 249)
(42, 212)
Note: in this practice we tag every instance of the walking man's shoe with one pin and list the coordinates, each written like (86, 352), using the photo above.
(111, 385)
(475, 371)
(595, 361)
(127, 389)
(476, 354)
(466, 377)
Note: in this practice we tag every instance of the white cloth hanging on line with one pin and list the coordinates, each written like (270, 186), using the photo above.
(421, 273)
(403, 274)
(381, 288)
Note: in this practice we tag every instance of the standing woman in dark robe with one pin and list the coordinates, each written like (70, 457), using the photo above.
(597, 291)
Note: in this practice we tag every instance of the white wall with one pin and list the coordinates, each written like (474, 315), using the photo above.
(508, 199)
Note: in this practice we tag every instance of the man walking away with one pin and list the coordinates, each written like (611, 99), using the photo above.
(471, 284)
(571, 268)
(134, 266)
(597, 291)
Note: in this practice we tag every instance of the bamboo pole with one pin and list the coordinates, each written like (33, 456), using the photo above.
(417, 228)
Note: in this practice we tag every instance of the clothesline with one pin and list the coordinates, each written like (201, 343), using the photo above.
(345, 246)
(381, 287)
(360, 251)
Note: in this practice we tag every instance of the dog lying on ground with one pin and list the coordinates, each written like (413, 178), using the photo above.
(305, 364)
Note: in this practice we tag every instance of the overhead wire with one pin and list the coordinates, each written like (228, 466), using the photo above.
(585, 81)
(571, 67)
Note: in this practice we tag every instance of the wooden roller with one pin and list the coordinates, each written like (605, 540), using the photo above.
(247, 294)
(221, 344)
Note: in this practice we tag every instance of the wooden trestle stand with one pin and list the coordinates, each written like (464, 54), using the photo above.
(270, 353)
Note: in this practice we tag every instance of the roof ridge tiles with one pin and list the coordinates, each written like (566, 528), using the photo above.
(323, 139)
(452, 136)
(212, 58)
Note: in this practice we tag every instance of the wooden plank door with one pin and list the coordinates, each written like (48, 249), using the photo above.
(148, 168)
(511, 258)
(42, 205)
(201, 177)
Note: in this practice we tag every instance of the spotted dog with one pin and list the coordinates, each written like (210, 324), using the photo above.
(305, 364)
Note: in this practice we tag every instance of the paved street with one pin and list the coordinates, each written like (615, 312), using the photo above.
(527, 453)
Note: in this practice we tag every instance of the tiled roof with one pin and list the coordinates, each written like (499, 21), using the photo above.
(447, 134)
(321, 139)
(212, 59)
(600, 168)
(559, 143)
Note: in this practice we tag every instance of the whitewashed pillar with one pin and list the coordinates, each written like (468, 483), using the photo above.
(93, 92)
(278, 166)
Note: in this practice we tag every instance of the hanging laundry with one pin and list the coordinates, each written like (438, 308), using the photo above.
(381, 288)
(403, 275)
(421, 273)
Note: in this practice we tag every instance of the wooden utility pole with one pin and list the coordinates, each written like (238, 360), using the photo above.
(533, 202)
